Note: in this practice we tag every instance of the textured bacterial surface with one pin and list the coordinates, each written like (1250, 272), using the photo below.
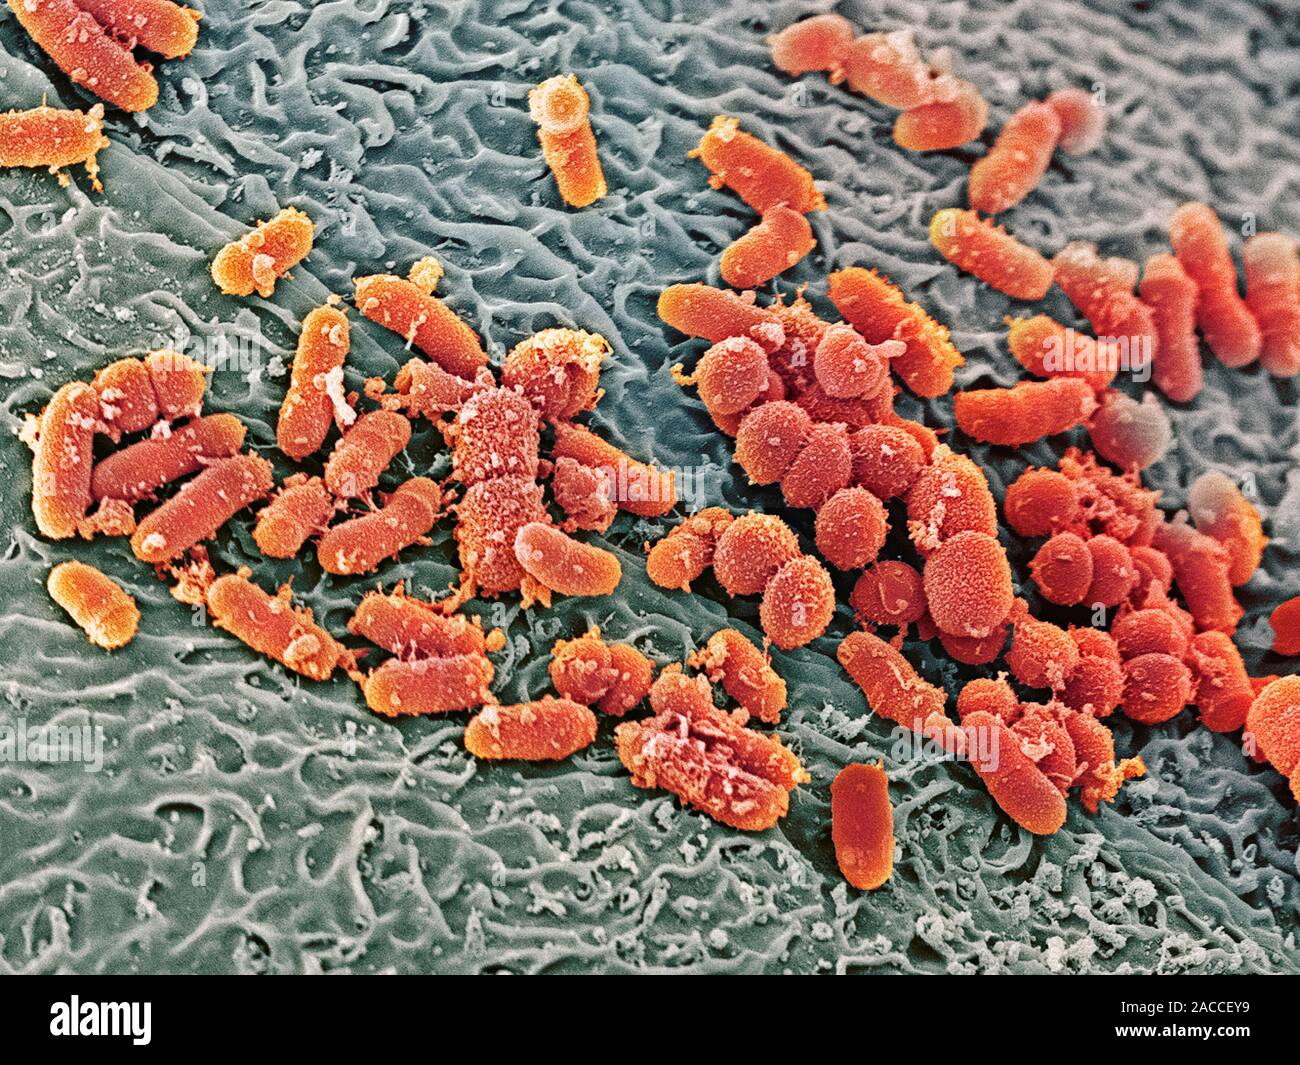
(244, 821)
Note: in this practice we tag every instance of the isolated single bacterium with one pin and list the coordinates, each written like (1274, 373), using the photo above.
(547, 729)
(560, 107)
(776, 243)
(1226, 322)
(258, 259)
(273, 626)
(104, 611)
(1016, 163)
(759, 174)
(862, 825)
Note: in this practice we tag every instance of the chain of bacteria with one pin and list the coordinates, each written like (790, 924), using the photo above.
(810, 405)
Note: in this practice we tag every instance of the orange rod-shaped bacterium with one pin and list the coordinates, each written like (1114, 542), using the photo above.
(776, 243)
(759, 174)
(1201, 569)
(409, 308)
(309, 406)
(687, 551)
(258, 259)
(1026, 412)
(53, 138)
(1017, 161)
(365, 451)
(1272, 282)
(361, 544)
(273, 626)
(1172, 296)
(1102, 290)
(951, 495)
(815, 43)
(579, 668)
(201, 507)
(560, 107)
(300, 509)
(582, 669)
(137, 471)
(879, 311)
(1225, 320)
(62, 459)
(1017, 785)
(717, 314)
(547, 729)
(888, 68)
(989, 252)
(862, 825)
(411, 628)
(1046, 348)
(429, 685)
(1223, 693)
(104, 611)
(159, 26)
(893, 688)
(87, 52)
(562, 564)
(1219, 509)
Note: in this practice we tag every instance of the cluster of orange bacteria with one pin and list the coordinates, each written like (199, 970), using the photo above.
(810, 403)
(92, 41)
